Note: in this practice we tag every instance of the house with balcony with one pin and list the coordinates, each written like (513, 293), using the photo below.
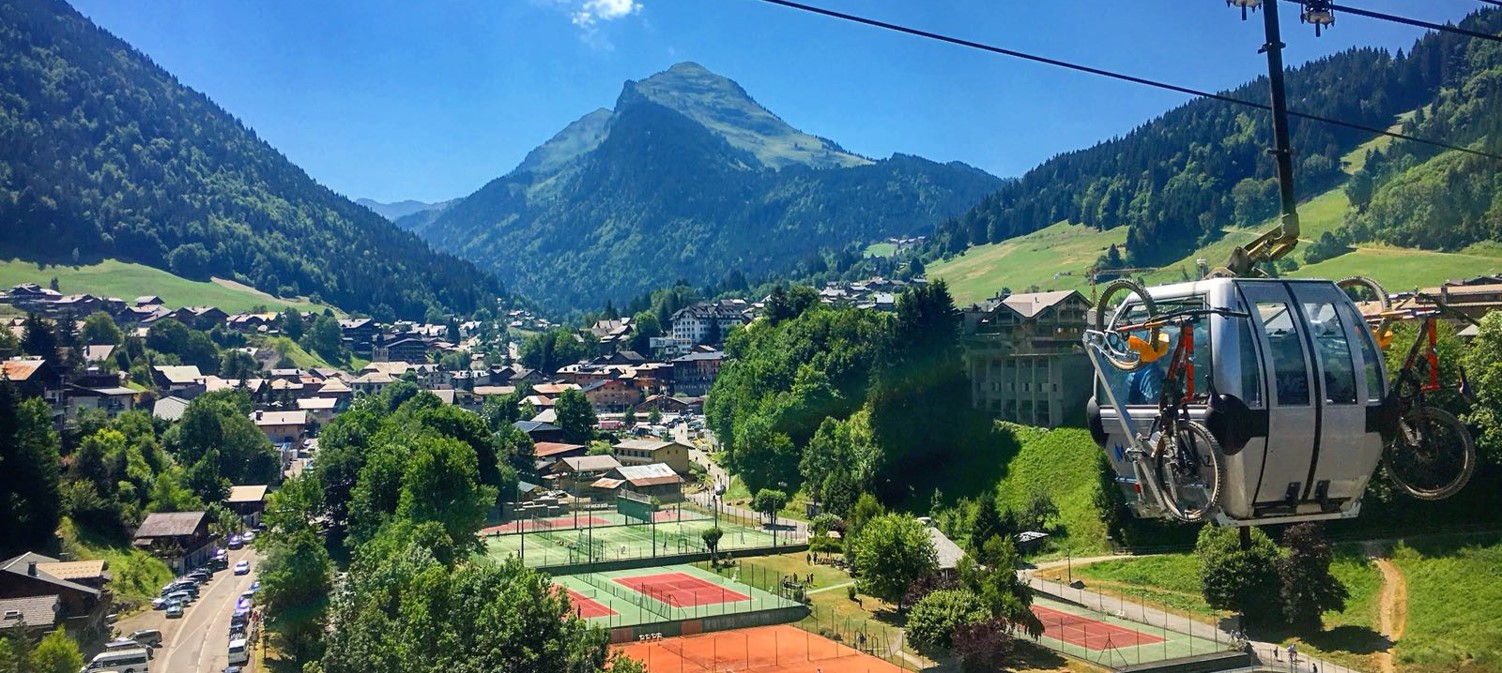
(1024, 358)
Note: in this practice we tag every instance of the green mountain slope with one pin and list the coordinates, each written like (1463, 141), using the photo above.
(1179, 181)
(105, 155)
(113, 278)
(687, 177)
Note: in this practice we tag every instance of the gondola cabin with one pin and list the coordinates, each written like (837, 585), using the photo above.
(1292, 389)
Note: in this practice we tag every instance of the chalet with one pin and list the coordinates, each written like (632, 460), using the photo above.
(611, 395)
(493, 391)
(76, 306)
(540, 432)
(170, 408)
(370, 383)
(202, 317)
(611, 334)
(185, 379)
(548, 415)
(33, 377)
(1024, 357)
(648, 451)
(359, 333)
(281, 427)
(668, 405)
(649, 481)
(37, 585)
(574, 474)
(142, 315)
(247, 501)
(112, 400)
(409, 349)
(97, 353)
(32, 297)
(544, 454)
(693, 374)
(252, 322)
(460, 398)
(147, 300)
(181, 539)
(320, 409)
(37, 614)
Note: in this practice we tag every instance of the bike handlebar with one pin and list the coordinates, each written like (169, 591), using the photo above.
(1180, 317)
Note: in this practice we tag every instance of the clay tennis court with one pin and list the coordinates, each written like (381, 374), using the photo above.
(586, 607)
(1088, 633)
(681, 590)
(766, 649)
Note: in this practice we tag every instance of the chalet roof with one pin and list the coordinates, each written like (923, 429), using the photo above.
(1030, 304)
(534, 426)
(497, 391)
(948, 552)
(545, 449)
(553, 388)
(591, 463)
(170, 524)
(247, 493)
(265, 418)
(320, 403)
(21, 370)
(170, 408)
(75, 570)
(644, 444)
(607, 483)
(98, 352)
(334, 387)
(548, 415)
(655, 474)
(700, 355)
(36, 611)
(22, 565)
(179, 374)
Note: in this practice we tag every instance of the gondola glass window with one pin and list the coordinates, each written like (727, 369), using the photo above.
(1334, 349)
(1142, 387)
(1289, 373)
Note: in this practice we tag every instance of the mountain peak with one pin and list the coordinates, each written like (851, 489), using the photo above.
(722, 106)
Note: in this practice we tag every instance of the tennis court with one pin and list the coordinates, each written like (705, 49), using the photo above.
(766, 649)
(563, 546)
(599, 518)
(1112, 640)
(666, 594)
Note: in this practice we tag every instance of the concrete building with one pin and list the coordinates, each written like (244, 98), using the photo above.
(699, 324)
(648, 451)
(1024, 357)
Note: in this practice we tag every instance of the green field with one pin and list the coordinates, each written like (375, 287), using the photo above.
(881, 250)
(1064, 464)
(127, 281)
(1037, 259)
(1454, 607)
(1402, 269)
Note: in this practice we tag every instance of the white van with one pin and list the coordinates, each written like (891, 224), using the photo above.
(239, 652)
(125, 661)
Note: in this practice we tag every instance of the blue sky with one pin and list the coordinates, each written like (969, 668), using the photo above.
(394, 99)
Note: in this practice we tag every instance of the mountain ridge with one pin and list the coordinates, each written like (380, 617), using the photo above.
(687, 177)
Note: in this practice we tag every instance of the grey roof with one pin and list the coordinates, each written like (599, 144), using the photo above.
(592, 463)
(644, 444)
(691, 357)
(35, 611)
(170, 408)
(179, 373)
(169, 524)
(1030, 304)
(534, 426)
(948, 552)
(654, 474)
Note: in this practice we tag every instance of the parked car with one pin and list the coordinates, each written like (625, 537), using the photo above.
(242, 568)
(159, 603)
(181, 597)
(174, 610)
(236, 542)
(248, 537)
(255, 586)
(201, 576)
(147, 637)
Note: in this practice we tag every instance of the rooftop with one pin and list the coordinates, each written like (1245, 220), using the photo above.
(247, 493)
(545, 449)
(264, 418)
(591, 463)
(169, 524)
(35, 612)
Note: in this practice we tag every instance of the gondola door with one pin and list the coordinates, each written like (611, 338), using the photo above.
(1293, 439)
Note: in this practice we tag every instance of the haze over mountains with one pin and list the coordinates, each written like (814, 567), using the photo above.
(687, 177)
(400, 209)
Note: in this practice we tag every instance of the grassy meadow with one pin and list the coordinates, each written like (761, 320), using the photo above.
(112, 278)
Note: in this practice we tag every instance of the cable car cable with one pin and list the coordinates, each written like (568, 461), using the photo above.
(916, 32)
(1443, 28)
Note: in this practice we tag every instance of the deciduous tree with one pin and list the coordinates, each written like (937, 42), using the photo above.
(891, 552)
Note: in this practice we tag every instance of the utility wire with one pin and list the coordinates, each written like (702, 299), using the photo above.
(1441, 27)
(1115, 75)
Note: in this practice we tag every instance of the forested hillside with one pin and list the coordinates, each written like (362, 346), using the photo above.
(105, 155)
(687, 177)
(1176, 181)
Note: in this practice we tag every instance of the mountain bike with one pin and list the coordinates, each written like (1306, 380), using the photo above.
(1431, 454)
(1185, 460)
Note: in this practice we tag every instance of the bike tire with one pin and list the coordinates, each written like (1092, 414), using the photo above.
(1212, 469)
(1104, 308)
(1395, 470)
(1363, 282)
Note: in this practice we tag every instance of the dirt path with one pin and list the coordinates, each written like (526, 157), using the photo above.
(1392, 611)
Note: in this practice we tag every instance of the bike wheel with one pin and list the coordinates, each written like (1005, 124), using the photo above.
(1123, 359)
(1362, 282)
(1190, 468)
(1433, 456)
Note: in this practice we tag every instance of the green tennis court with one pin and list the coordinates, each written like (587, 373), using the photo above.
(1113, 641)
(574, 546)
(662, 594)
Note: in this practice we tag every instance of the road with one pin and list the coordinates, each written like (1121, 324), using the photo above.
(199, 643)
(717, 474)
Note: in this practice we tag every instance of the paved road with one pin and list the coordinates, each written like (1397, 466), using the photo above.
(201, 641)
(718, 474)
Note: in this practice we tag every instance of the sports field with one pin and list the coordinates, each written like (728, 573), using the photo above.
(661, 594)
(555, 542)
(1112, 641)
(766, 649)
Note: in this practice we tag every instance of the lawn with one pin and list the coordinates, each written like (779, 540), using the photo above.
(1065, 464)
(138, 576)
(1170, 581)
(1052, 258)
(881, 250)
(127, 281)
(1454, 607)
(1402, 269)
